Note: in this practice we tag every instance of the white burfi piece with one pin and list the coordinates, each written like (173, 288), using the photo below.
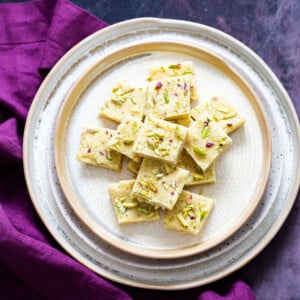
(93, 149)
(134, 166)
(196, 175)
(159, 184)
(128, 209)
(189, 214)
(160, 139)
(125, 136)
(174, 70)
(205, 141)
(222, 112)
(169, 98)
(125, 100)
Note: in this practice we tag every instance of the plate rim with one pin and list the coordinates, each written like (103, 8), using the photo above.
(72, 99)
(158, 22)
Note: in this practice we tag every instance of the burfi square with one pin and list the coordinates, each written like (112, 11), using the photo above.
(196, 175)
(125, 100)
(169, 98)
(128, 209)
(160, 139)
(189, 214)
(123, 139)
(93, 149)
(175, 70)
(222, 112)
(159, 184)
(205, 141)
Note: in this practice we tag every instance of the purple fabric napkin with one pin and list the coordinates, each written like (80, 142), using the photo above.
(33, 36)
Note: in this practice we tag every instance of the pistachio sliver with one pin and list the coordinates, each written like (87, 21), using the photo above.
(182, 220)
(199, 151)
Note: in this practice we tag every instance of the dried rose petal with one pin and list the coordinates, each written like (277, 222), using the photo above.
(158, 85)
(209, 144)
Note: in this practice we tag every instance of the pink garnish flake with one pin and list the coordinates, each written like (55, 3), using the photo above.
(101, 153)
(172, 193)
(185, 86)
(179, 85)
(158, 85)
(209, 144)
(176, 94)
(89, 150)
(106, 132)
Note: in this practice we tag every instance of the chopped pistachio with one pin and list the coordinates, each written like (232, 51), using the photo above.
(203, 214)
(178, 134)
(166, 97)
(133, 101)
(134, 127)
(205, 132)
(199, 151)
(118, 101)
(128, 141)
(150, 144)
(182, 220)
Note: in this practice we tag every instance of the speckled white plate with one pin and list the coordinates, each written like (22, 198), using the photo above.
(242, 170)
(82, 243)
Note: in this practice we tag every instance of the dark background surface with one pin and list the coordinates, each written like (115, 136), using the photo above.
(272, 29)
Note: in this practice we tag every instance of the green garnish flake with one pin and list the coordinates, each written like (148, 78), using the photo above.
(118, 101)
(203, 214)
(205, 132)
(128, 141)
(134, 127)
(182, 221)
(199, 151)
(127, 92)
(133, 101)
(144, 210)
(178, 134)
(177, 66)
(151, 144)
(166, 96)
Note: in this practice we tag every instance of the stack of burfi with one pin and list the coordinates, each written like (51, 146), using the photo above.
(170, 146)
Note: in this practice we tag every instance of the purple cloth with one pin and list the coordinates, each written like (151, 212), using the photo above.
(33, 36)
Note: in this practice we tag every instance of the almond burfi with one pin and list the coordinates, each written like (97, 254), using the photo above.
(169, 98)
(205, 141)
(125, 100)
(125, 136)
(160, 139)
(175, 70)
(93, 149)
(222, 112)
(196, 175)
(159, 184)
(189, 214)
(127, 208)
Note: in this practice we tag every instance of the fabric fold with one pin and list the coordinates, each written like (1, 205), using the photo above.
(33, 37)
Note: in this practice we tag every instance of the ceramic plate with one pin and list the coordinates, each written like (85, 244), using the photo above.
(242, 171)
(94, 252)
